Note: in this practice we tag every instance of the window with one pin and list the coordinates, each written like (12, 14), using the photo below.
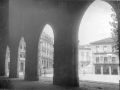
(8, 65)
(115, 71)
(21, 66)
(113, 60)
(97, 59)
(105, 48)
(24, 55)
(82, 54)
(105, 70)
(97, 48)
(87, 53)
(105, 59)
(101, 58)
(21, 47)
(24, 48)
(113, 49)
(21, 55)
(87, 58)
(97, 69)
(42, 62)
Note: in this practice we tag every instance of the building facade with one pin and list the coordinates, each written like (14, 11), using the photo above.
(105, 57)
(46, 52)
(85, 59)
(7, 60)
(21, 56)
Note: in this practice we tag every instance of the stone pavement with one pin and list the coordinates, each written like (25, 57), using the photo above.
(95, 77)
(46, 84)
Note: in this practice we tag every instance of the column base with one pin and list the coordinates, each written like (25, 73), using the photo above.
(31, 78)
(66, 81)
(13, 76)
(2, 74)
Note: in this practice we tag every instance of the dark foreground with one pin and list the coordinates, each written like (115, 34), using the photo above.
(46, 84)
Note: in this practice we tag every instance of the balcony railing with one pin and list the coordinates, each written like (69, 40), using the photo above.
(108, 62)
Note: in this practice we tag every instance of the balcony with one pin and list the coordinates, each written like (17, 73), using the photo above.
(107, 62)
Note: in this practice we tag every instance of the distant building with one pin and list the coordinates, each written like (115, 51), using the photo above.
(85, 59)
(21, 55)
(7, 60)
(45, 51)
(45, 54)
(105, 57)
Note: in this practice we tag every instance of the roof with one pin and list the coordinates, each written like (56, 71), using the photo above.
(104, 41)
(84, 47)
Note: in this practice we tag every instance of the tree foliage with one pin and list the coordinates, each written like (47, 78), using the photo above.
(114, 24)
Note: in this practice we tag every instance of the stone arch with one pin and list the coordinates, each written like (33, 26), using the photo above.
(113, 4)
(41, 41)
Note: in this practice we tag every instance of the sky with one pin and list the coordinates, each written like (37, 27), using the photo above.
(95, 23)
(48, 29)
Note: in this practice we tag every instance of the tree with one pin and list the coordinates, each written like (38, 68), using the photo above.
(115, 32)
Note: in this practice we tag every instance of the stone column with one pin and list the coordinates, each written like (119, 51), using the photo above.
(32, 62)
(4, 11)
(24, 69)
(6, 66)
(65, 62)
(48, 63)
(93, 69)
(14, 73)
(2, 62)
(19, 65)
(118, 70)
(102, 70)
(66, 56)
(110, 70)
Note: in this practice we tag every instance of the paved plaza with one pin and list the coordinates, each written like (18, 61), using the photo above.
(46, 83)
(92, 77)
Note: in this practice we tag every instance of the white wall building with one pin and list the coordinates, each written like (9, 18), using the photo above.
(105, 57)
(46, 52)
(85, 59)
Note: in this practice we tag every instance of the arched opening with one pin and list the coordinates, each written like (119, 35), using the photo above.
(21, 58)
(96, 45)
(7, 61)
(46, 52)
